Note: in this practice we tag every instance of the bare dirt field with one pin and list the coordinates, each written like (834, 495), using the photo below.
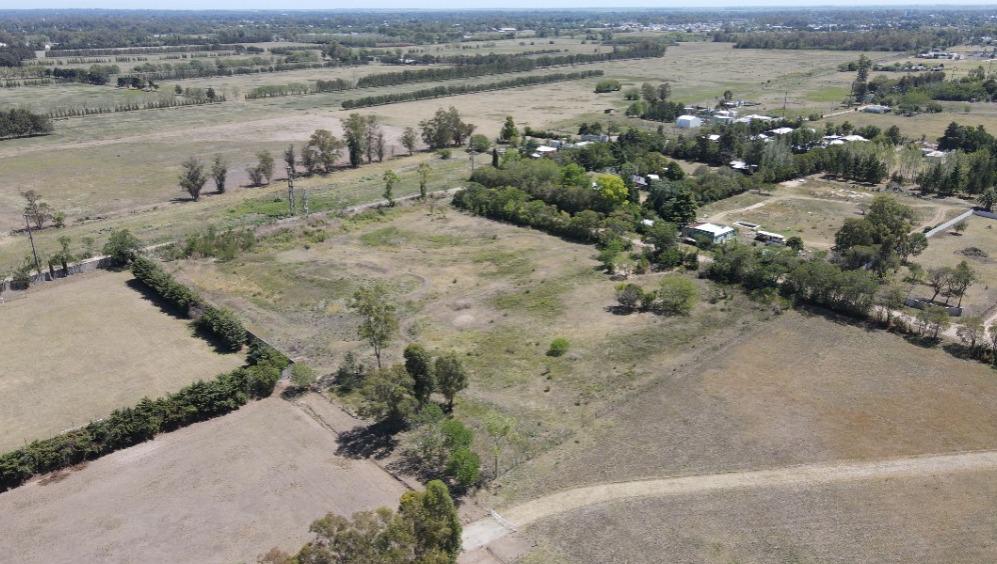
(950, 247)
(225, 490)
(936, 518)
(800, 389)
(75, 350)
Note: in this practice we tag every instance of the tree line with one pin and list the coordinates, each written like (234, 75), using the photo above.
(19, 122)
(130, 426)
(157, 103)
(874, 40)
(299, 88)
(442, 90)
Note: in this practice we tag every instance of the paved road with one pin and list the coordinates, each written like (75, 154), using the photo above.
(487, 530)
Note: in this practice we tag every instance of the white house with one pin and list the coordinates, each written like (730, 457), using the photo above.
(875, 109)
(781, 131)
(711, 232)
(688, 122)
(753, 117)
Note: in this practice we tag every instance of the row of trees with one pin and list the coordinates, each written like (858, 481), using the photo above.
(156, 103)
(299, 88)
(443, 90)
(873, 40)
(19, 122)
(130, 426)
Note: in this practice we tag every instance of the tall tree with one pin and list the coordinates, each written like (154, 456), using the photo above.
(37, 211)
(409, 140)
(192, 177)
(419, 365)
(423, 170)
(371, 131)
(378, 321)
(451, 377)
(290, 159)
(219, 171)
(325, 150)
(390, 179)
(354, 129)
(264, 163)
(509, 130)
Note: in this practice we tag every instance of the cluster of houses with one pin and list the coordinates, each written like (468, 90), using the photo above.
(933, 54)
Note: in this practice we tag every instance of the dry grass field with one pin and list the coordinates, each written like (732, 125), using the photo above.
(949, 248)
(797, 389)
(495, 293)
(945, 518)
(74, 351)
(225, 490)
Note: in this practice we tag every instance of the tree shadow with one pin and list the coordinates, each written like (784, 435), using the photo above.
(869, 325)
(172, 310)
(619, 310)
(376, 441)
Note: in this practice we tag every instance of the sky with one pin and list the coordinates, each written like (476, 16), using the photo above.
(451, 4)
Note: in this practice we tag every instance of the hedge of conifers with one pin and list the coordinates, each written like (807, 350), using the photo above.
(197, 402)
(219, 322)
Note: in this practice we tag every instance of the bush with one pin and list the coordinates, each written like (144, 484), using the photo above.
(444, 153)
(558, 347)
(676, 295)
(302, 375)
(122, 247)
(224, 325)
(464, 467)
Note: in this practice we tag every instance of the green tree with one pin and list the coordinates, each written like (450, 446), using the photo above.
(36, 211)
(435, 522)
(419, 365)
(988, 199)
(938, 279)
(612, 190)
(302, 375)
(291, 159)
(122, 246)
(509, 130)
(354, 130)
(891, 298)
(378, 322)
(972, 331)
(451, 377)
(390, 179)
(192, 177)
(388, 395)
(501, 430)
(465, 467)
(219, 171)
(423, 171)
(409, 140)
(629, 295)
(264, 163)
(960, 280)
(676, 295)
(322, 151)
(558, 347)
(479, 143)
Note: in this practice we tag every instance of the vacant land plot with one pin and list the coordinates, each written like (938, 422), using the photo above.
(495, 293)
(977, 245)
(859, 395)
(226, 490)
(814, 209)
(76, 350)
(933, 518)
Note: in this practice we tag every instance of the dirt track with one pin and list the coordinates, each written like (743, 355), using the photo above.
(484, 531)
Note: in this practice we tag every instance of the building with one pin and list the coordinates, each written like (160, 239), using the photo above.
(781, 131)
(688, 122)
(709, 232)
(770, 237)
(875, 109)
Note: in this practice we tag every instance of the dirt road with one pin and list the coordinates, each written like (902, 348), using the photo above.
(490, 529)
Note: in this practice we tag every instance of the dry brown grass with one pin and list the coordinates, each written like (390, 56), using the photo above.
(947, 249)
(226, 490)
(74, 351)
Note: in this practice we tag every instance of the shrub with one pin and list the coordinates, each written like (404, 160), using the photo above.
(302, 375)
(464, 467)
(444, 153)
(122, 247)
(676, 295)
(224, 325)
(558, 347)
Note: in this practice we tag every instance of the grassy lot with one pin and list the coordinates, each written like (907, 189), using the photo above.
(225, 490)
(949, 248)
(781, 395)
(78, 349)
(944, 518)
(496, 294)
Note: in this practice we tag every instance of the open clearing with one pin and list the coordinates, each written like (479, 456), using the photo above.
(75, 350)
(949, 248)
(495, 293)
(936, 515)
(225, 490)
(860, 395)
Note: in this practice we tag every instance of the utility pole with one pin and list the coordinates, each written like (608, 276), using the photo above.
(304, 200)
(290, 190)
(472, 155)
(34, 252)
(785, 98)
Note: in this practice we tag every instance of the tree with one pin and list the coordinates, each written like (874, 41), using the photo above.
(495, 157)
(676, 295)
(388, 395)
(423, 170)
(36, 211)
(664, 91)
(122, 246)
(419, 365)
(861, 84)
(961, 278)
(501, 429)
(451, 377)
(938, 279)
(264, 163)
(479, 143)
(371, 131)
(934, 319)
(629, 295)
(434, 521)
(302, 375)
(509, 130)
(378, 322)
(219, 170)
(445, 129)
(892, 297)
(465, 467)
(379, 146)
(988, 199)
(972, 331)
(409, 140)
(648, 92)
(354, 129)
(192, 177)
(390, 179)
(290, 159)
(323, 150)
(612, 191)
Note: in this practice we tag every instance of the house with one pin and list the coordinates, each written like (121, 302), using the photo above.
(742, 166)
(709, 232)
(781, 131)
(713, 137)
(599, 137)
(753, 117)
(724, 116)
(853, 138)
(770, 238)
(638, 181)
(875, 109)
(688, 122)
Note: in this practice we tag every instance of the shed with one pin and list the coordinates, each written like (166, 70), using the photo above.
(688, 122)
(711, 232)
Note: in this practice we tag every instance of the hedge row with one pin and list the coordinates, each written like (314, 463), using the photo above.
(130, 426)
(440, 91)
(219, 322)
